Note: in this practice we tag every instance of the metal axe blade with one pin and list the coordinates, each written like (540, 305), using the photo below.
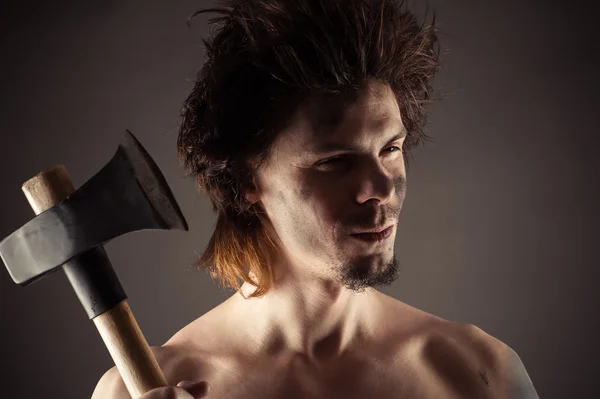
(128, 194)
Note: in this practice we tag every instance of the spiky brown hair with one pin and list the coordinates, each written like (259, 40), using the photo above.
(266, 58)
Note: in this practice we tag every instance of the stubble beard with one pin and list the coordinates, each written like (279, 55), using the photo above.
(362, 274)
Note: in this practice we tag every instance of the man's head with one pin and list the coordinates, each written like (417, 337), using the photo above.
(324, 183)
(283, 81)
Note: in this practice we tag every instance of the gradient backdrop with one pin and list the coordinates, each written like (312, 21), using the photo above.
(499, 227)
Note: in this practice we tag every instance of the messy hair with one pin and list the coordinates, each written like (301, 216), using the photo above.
(264, 60)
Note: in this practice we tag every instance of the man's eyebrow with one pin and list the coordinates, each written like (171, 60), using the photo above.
(335, 147)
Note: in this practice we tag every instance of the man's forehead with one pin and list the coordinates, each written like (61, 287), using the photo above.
(370, 116)
(360, 121)
(341, 139)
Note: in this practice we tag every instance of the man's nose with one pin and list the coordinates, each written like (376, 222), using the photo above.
(375, 183)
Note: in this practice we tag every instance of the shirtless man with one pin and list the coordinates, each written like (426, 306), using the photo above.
(298, 130)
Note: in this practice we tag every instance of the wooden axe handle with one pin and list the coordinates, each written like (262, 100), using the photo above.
(118, 328)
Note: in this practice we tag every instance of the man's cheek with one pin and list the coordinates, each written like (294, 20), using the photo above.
(322, 202)
(327, 213)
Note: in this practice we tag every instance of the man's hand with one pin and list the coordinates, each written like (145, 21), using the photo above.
(183, 390)
(111, 386)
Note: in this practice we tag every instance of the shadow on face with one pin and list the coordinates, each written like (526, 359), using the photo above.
(332, 176)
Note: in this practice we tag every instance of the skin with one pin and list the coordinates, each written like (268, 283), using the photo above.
(324, 331)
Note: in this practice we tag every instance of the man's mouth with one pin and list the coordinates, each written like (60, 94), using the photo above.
(374, 236)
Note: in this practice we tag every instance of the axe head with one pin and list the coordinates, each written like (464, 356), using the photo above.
(129, 193)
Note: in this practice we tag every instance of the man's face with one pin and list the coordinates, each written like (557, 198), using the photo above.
(319, 188)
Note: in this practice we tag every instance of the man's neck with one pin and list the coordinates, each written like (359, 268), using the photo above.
(314, 318)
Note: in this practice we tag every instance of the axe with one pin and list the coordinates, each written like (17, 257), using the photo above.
(129, 193)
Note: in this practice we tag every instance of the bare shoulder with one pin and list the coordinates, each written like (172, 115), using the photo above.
(176, 362)
(477, 363)
(467, 359)
(190, 354)
(504, 364)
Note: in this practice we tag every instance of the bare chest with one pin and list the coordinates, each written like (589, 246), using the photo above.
(413, 358)
(364, 378)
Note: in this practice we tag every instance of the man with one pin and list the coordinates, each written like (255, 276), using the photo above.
(298, 129)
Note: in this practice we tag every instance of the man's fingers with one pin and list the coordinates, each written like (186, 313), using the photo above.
(197, 389)
(183, 390)
(167, 393)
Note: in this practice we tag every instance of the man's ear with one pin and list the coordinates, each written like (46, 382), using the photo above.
(251, 193)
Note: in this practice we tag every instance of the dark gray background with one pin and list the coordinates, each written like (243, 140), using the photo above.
(499, 227)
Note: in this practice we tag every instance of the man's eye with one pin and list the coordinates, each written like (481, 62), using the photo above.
(330, 161)
(333, 164)
(394, 148)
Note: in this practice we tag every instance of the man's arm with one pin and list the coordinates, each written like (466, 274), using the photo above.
(508, 375)
(518, 383)
(110, 386)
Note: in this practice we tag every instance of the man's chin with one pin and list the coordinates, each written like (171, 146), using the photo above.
(361, 275)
